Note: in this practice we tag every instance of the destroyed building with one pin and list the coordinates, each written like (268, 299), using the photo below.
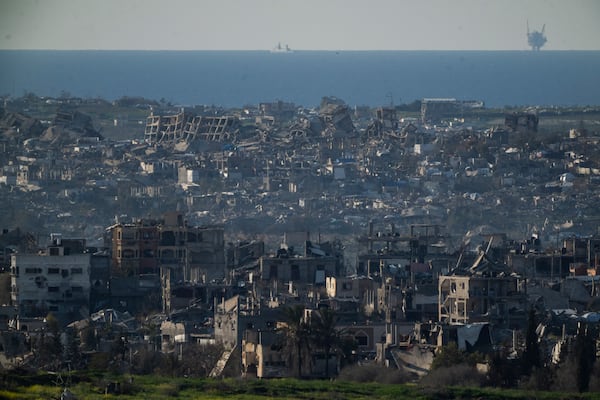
(289, 268)
(134, 248)
(199, 250)
(262, 356)
(338, 128)
(436, 109)
(15, 127)
(244, 252)
(487, 292)
(278, 109)
(228, 331)
(185, 253)
(381, 248)
(157, 259)
(167, 128)
(213, 129)
(386, 121)
(522, 122)
(75, 121)
(171, 129)
(335, 115)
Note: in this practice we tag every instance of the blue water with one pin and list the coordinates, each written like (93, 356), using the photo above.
(237, 78)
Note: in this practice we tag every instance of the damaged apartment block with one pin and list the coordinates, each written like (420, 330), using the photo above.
(436, 109)
(171, 129)
(522, 122)
(487, 292)
(214, 129)
(168, 250)
(55, 280)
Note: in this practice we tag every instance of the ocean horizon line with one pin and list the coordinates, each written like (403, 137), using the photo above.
(293, 50)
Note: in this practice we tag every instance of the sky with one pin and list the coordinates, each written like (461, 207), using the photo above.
(301, 24)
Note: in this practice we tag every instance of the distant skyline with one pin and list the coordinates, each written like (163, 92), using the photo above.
(303, 25)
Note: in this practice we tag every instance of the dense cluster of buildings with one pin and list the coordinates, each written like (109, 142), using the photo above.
(281, 167)
(278, 206)
(408, 297)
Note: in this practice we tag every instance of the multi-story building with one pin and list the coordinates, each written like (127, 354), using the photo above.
(469, 299)
(169, 247)
(167, 254)
(134, 248)
(351, 294)
(192, 254)
(226, 322)
(262, 354)
(56, 281)
(300, 270)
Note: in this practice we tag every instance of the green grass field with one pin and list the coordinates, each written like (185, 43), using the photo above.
(92, 386)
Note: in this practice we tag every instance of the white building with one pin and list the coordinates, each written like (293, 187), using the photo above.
(58, 284)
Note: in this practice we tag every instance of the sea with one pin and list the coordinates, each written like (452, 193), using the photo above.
(370, 78)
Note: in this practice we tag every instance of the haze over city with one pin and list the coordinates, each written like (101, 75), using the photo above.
(304, 25)
(401, 204)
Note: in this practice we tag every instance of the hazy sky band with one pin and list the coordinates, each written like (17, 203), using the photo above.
(303, 25)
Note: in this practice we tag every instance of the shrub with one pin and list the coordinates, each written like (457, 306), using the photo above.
(566, 376)
(374, 373)
(450, 355)
(540, 379)
(167, 389)
(40, 391)
(461, 374)
(504, 371)
(5, 394)
(127, 387)
(595, 379)
(99, 361)
(145, 361)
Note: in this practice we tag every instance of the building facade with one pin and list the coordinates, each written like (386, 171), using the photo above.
(297, 269)
(469, 299)
(170, 247)
(58, 284)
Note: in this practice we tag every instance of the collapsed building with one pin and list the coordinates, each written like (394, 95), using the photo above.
(336, 116)
(435, 109)
(170, 129)
(386, 121)
(294, 273)
(522, 122)
(75, 121)
(163, 128)
(382, 248)
(488, 291)
(338, 129)
(217, 129)
(16, 127)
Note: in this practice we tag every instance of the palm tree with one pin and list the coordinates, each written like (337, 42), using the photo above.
(325, 334)
(297, 332)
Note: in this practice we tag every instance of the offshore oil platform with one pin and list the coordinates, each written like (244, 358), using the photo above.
(536, 39)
